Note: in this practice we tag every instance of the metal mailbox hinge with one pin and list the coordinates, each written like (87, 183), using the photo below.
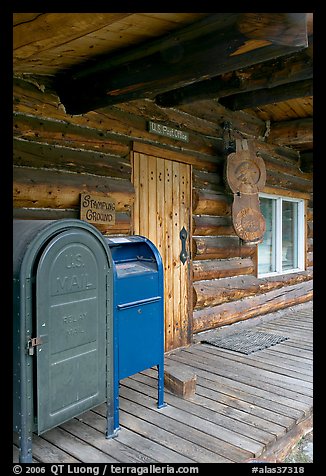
(35, 341)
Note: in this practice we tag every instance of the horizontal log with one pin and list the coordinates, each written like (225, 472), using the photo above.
(214, 112)
(62, 133)
(118, 124)
(122, 224)
(286, 154)
(213, 269)
(206, 225)
(119, 128)
(210, 181)
(289, 182)
(221, 247)
(292, 133)
(206, 202)
(276, 190)
(215, 292)
(230, 312)
(39, 155)
(41, 188)
(276, 163)
(282, 170)
(148, 109)
(208, 163)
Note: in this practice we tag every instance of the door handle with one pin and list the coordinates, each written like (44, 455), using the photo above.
(183, 238)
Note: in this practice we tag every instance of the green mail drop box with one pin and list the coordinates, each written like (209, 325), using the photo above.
(63, 328)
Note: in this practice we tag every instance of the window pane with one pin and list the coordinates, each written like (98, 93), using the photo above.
(289, 235)
(266, 249)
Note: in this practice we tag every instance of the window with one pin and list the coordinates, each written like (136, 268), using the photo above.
(282, 249)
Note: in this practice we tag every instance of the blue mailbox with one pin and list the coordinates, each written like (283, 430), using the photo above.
(138, 309)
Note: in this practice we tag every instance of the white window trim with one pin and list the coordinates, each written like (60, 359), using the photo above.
(278, 235)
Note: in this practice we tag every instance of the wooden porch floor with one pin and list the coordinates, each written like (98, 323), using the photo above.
(245, 406)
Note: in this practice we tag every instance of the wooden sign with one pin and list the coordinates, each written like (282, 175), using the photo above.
(248, 221)
(163, 130)
(245, 175)
(97, 209)
(245, 172)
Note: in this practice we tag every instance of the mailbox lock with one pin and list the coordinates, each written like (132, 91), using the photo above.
(139, 311)
(35, 341)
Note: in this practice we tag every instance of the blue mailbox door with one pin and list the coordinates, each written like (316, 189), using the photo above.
(138, 308)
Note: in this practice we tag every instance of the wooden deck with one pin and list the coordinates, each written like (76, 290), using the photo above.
(245, 407)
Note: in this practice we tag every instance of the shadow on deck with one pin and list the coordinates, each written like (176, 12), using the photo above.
(245, 406)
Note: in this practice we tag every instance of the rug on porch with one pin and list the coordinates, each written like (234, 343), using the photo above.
(245, 342)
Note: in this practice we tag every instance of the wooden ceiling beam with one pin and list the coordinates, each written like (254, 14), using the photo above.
(261, 97)
(218, 44)
(287, 69)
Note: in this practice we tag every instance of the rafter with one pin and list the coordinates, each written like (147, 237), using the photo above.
(290, 68)
(261, 97)
(218, 44)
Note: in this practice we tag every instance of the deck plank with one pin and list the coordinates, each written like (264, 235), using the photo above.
(226, 437)
(144, 446)
(111, 447)
(235, 372)
(278, 423)
(244, 406)
(286, 380)
(300, 355)
(172, 420)
(274, 365)
(76, 447)
(166, 438)
(260, 400)
(146, 384)
(46, 452)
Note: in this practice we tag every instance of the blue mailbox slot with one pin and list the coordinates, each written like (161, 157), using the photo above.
(138, 309)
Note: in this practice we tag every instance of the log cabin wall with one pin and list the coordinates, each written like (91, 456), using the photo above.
(58, 156)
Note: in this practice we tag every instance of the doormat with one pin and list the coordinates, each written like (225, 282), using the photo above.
(245, 342)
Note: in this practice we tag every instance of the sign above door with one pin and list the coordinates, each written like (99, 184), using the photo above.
(163, 130)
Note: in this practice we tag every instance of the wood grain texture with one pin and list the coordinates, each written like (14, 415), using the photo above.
(230, 312)
(37, 188)
(214, 292)
(161, 209)
(221, 268)
(259, 404)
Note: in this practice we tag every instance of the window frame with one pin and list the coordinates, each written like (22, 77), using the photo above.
(277, 242)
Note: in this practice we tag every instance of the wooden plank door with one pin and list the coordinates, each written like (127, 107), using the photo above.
(162, 208)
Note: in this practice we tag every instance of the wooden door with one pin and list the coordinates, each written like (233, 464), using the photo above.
(162, 208)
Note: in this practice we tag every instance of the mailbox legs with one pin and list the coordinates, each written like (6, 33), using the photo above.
(25, 431)
(25, 409)
(160, 400)
(112, 417)
(25, 455)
